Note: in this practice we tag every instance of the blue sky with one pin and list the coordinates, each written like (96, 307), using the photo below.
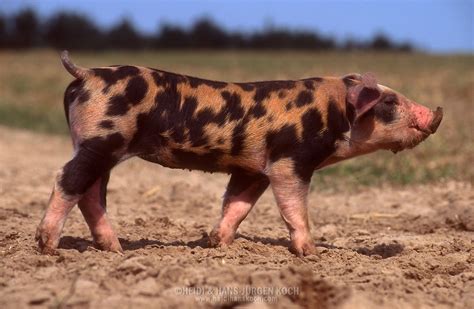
(433, 25)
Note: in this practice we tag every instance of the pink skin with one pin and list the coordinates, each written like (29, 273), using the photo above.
(49, 231)
(422, 115)
(235, 208)
(51, 226)
(291, 196)
(95, 216)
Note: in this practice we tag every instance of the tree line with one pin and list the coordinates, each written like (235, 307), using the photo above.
(69, 30)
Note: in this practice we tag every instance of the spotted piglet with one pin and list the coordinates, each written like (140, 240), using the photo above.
(262, 133)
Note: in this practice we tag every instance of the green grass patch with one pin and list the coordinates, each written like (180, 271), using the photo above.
(37, 119)
(359, 172)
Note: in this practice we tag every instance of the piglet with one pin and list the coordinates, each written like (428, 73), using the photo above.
(261, 133)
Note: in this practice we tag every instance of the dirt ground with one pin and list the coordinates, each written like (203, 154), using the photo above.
(377, 247)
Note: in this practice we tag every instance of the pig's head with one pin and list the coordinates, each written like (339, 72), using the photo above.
(382, 118)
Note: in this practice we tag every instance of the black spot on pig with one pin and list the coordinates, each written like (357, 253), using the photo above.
(258, 110)
(312, 124)
(83, 95)
(196, 127)
(177, 134)
(233, 106)
(165, 79)
(180, 118)
(242, 180)
(136, 90)
(282, 94)
(195, 82)
(107, 75)
(189, 107)
(70, 95)
(94, 158)
(265, 89)
(281, 143)
(76, 90)
(238, 138)
(146, 139)
(167, 106)
(304, 97)
(160, 79)
(141, 125)
(117, 106)
(315, 145)
(309, 84)
(207, 162)
(134, 93)
(350, 112)
(112, 76)
(104, 145)
(246, 86)
(106, 124)
(125, 71)
(73, 90)
(312, 83)
(337, 121)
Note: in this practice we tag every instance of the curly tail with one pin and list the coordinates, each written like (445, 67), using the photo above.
(76, 71)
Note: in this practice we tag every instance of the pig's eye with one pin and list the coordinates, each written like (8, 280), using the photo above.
(390, 100)
(387, 111)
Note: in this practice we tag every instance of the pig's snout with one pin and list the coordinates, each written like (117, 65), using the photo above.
(438, 116)
(426, 120)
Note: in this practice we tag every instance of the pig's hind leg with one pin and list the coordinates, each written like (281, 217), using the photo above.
(93, 208)
(76, 180)
(241, 195)
(59, 206)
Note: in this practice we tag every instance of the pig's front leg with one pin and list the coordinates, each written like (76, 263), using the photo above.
(242, 193)
(291, 194)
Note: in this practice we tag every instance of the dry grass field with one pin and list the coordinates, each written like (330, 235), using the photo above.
(392, 231)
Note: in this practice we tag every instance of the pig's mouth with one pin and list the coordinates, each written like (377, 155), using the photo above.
(397, 147)
(417, 137)
(420, 133)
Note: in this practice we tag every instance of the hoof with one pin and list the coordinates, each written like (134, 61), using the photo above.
(219, 239)
(302, 250)
(112, 245)
(46, 243)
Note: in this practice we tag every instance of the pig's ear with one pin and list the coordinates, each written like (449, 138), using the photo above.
(364, 95)
(352, 76)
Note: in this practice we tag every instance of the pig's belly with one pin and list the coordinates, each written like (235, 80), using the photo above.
(212, 160)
